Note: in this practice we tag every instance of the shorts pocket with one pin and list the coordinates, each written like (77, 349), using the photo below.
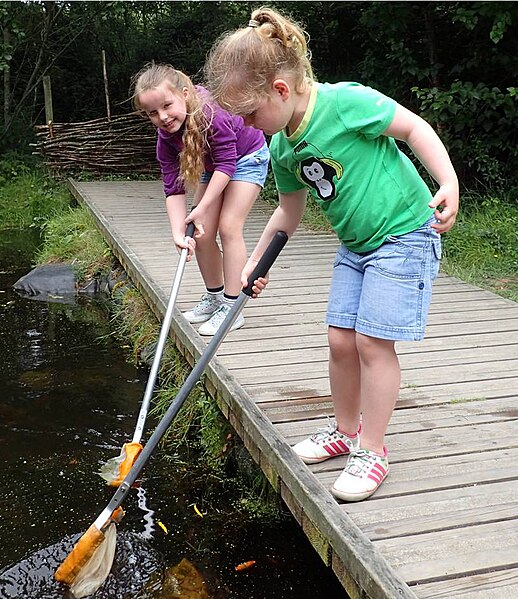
(399, 260)
(437, 248)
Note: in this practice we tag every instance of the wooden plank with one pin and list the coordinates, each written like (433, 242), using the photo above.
(470, 390)
(502, 584)
(440, 471)
(311, 407)
(433, 502)
(424, 370)
(411, 420)
(452, 439)
(282, 338)
(464, 551)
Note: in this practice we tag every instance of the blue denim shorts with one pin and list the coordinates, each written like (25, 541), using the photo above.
(386, 293)
(252, 168)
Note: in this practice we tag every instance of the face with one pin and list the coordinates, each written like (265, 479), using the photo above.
(266, 116)
(167, 109)
(273, 112)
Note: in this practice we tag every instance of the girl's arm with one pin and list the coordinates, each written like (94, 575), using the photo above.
(176, 211)
(286, 217)
(429, 149)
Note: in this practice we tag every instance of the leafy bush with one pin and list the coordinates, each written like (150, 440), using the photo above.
(478, 125)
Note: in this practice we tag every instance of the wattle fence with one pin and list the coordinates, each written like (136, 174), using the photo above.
(121, 145)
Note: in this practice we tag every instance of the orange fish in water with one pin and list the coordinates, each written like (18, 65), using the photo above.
(245, 565)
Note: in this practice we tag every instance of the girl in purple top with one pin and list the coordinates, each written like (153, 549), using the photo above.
(203, 148)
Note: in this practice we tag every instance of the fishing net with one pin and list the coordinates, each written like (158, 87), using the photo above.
(93, 574)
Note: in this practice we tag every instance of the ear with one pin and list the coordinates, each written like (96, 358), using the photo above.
(282, 88)
(185, 92)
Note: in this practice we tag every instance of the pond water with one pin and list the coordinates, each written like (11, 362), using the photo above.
(68, 401)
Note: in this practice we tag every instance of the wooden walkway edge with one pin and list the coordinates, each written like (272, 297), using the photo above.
(444, 523)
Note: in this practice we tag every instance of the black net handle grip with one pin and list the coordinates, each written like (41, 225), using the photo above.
(267, 259)
(189, 231)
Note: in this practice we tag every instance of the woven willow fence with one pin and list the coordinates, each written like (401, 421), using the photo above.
(122, 145)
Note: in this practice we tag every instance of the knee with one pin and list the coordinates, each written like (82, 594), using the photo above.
(229, 231)
(342, 343)
(206, 244)
(370, 348)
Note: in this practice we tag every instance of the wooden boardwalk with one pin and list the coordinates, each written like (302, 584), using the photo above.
(445, 522)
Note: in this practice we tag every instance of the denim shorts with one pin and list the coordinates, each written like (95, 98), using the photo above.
(386, 293)
(252, 168)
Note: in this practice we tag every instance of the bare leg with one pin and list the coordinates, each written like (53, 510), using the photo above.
(208, 253)
(344, 378)
(380, 382)
(239, 197)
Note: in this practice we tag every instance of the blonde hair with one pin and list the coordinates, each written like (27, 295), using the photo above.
(197, 123)
(242, 64)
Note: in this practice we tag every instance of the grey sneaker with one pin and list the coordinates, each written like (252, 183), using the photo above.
(204, 309)
(215, 321)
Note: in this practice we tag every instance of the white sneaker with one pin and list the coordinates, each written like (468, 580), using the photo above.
(326, 443)
(364, 473)
(215, 321)
(204, 309)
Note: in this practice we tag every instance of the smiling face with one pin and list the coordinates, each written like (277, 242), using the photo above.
(167, 109)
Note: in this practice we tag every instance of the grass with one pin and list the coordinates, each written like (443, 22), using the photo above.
(71, 236)
(482, 247)
(199, 425)
(29, 197)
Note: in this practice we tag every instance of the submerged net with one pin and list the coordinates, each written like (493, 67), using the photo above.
(93, 574)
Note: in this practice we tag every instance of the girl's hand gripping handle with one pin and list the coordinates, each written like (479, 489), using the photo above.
(267, 259)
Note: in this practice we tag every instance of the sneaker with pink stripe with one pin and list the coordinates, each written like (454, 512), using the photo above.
(326, 443)
(364, 473)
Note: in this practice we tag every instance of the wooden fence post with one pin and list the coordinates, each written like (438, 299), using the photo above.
(106, 92)
(47, 93)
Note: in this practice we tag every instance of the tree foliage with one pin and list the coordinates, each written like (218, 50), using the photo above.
(453, 62)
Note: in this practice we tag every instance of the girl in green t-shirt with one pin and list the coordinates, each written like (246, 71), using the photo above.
(337, 142)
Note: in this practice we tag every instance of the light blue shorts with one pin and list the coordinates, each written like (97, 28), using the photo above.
(386, 293)
(252, 168)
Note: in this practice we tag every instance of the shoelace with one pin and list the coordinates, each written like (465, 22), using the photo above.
(360, 460)
(220, 314)
(204, 302)
(329, 430)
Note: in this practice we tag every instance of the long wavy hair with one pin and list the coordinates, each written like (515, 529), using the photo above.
(197, 123)
(242, 64)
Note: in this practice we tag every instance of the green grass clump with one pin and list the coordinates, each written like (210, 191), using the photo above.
(482, 247)
(28, 196)
(133, 322)
(72, 237)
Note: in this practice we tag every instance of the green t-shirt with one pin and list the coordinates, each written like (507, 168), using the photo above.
(366, 186)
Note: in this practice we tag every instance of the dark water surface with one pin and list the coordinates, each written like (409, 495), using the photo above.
(68, 401)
